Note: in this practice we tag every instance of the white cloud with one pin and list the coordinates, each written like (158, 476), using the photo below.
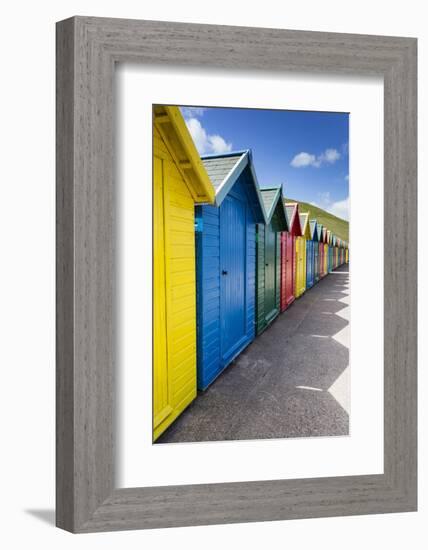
(303, 159)
(198, 134)
(189, 112)
(337, 208)
(340, 209)
(206, 143)
(219, 145)
(329, 156)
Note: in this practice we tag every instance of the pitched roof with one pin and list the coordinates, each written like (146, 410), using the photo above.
(314, 230)
(219, 167)
(324, 234)
(270, 197)
(224, 170)
(319, 231)
(171, 126)
(292, 212)
(304, 224)
(273, 200)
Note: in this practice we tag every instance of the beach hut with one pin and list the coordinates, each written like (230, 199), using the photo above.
(320, 250)
(179, 182)
(347, 253)
(288, 255)
(335, 256)
(325, 268)
(330, 251)
(226, 263)
(314, 237)
(301, 254)
(268, 279)
(339, 244)
(307, 230)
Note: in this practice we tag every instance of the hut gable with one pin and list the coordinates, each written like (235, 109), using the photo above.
(274, 208)
(225, 170)
(313, 229)
(324, 235)
(218, 168)
(172, 135)
(304, 224)
(320, 232)
(292, 212)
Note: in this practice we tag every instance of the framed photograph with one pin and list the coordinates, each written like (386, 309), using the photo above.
(236, 274)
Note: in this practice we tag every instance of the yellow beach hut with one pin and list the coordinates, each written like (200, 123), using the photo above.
(300, 282)
(325, 240)
(179, 182)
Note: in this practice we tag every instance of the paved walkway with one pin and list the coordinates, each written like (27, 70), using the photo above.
(292, 381)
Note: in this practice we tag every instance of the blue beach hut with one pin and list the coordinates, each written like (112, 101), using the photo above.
(226, 263)
(315, 256)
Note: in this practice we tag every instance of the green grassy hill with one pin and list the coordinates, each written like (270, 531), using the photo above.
(338, 226)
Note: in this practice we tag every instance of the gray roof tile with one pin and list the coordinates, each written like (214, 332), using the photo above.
(268, 196)
(219, 167)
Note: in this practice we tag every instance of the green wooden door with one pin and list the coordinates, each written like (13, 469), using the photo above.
(270, 273)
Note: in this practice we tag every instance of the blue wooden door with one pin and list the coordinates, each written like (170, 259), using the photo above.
(309, 263)
(316, 262)
(232, 274)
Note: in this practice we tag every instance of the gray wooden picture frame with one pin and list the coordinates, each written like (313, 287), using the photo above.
(87, 50)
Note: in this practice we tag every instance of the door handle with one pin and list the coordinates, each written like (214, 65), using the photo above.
(224, 272)
(266, 265)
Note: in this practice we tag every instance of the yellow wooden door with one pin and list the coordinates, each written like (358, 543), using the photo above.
(296, 273)
(326, 259)
(303, 282)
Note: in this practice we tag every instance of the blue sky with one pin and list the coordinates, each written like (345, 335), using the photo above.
(307, 152)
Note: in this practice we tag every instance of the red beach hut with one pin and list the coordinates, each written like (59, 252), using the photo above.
(288, 254)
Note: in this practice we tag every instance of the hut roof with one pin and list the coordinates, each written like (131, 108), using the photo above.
(324, 234)
(314, 229)
(272, 200)
(170, 123)
(304, 224)
(292, 211)
(224, 170)
(320, 232)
